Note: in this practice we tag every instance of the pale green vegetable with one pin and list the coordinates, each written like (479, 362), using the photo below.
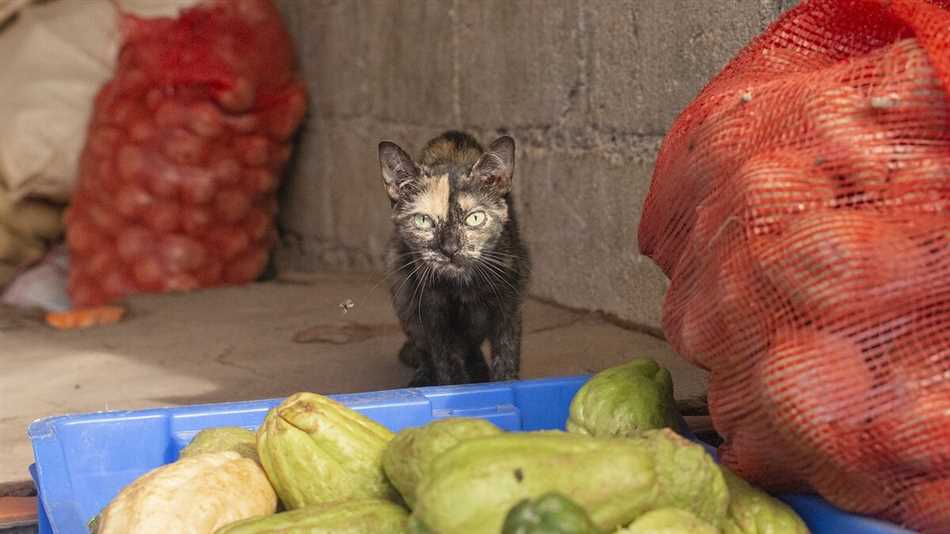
(752, 511)
(358, 516)
(411, 452)
(669, 521)
(316, 451)
(197, 494)
(228, 438)
(688, 477)
(470, 487)
(551, 513)
(624, 401)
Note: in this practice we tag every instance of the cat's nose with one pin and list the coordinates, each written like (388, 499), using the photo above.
(450, 247)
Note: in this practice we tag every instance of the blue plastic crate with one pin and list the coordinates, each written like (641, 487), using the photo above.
(82, 461)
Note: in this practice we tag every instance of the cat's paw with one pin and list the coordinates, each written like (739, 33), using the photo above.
(478, 373)
(421, 379)
(504, 376)
(409, 355)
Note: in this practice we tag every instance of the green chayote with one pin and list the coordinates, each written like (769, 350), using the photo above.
(624, 401)
(358, 516)
(315, 451)
(470, 488)
(237, 439)
(669, 521)
(409, 454)
(752, 511)
(551, 513)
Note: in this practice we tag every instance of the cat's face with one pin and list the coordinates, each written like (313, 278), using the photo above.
(450, 216)
(450, 222)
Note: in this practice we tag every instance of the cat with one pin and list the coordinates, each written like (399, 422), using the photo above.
(459, 265)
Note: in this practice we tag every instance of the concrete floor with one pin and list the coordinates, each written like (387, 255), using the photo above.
(261, 341)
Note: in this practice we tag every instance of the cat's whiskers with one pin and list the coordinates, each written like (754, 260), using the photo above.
(500, 254)
(498, 273)
(504, 265)
(416, 285)
(425, 281)
(491, 285)
(501, 257)
(507, 268)
(419, 265)
(403, 266)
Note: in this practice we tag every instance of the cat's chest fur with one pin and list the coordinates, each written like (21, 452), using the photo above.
(466, 307)
(472, 309)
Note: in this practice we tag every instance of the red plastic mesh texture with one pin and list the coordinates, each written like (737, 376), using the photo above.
(184, 152)
(800, 208)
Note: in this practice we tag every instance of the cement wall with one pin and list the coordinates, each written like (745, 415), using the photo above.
(586, 87)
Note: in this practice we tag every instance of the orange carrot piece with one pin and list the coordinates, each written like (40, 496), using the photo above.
(85, 317)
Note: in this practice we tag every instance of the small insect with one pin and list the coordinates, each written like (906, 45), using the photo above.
(346, 305)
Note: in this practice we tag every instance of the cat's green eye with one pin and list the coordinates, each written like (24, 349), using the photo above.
(422, 222)
(475, 219)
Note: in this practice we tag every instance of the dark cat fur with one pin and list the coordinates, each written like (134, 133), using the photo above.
(458, 276)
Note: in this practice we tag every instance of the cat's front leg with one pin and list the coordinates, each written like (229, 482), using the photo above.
(506, 348)
(449, 361)
(478, 370)
(410, 355)
(422, 377)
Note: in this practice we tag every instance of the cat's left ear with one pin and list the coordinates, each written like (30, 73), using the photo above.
(496, 167)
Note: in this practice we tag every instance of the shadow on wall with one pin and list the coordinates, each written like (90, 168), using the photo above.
(587, 89)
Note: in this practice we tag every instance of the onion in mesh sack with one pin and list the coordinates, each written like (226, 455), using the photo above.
(184, 153)
(850, 98)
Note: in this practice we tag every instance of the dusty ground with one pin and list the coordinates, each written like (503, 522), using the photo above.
(262, 341)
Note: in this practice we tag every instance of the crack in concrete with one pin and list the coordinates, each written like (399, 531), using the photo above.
(344, 333)
(578, 95)
(597, 315)
(222, 358)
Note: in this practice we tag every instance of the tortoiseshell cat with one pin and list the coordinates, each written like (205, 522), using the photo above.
(458, 262)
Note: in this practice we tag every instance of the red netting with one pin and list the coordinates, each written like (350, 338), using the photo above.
(800, 208)
(184, 152)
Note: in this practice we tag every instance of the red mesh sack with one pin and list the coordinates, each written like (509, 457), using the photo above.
(801, 209)
(177, 179)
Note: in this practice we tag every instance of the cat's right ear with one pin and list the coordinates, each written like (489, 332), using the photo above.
(397, 167)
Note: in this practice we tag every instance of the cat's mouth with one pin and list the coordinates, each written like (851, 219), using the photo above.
(446, 266)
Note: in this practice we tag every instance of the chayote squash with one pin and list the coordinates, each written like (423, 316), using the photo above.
(315, 451)
(409, 454)
(195, 495)
(551, 513)
(357, 516)
(470, 487)
(624, 401)
(669, 521)
(688, 477)
(226, 438)
(239, 440)
(752, 511)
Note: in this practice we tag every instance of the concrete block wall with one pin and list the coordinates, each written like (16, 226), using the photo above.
(586, 87)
